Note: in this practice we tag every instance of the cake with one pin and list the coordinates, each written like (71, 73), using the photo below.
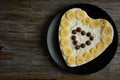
(82, 38)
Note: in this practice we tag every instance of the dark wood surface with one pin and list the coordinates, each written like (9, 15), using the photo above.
(23, 27)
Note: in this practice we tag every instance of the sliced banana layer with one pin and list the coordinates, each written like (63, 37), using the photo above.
(70, 15)
(88, 56)
(107, 40)
(65, 23)
(95, 23)
(107, 30)
(67, 51)
(104, 22)
(71, 60)
(101, 46)
(95, 52)
(80, 14)
(87, 21)
(80, 60)
(64, 32)
(65, 42)
(83, 38)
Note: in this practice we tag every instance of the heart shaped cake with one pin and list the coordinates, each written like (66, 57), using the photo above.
(82, 38)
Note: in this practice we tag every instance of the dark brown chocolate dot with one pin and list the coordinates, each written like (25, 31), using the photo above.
(83, 33)
(74, 31)
(75, 42)
(78, 29)
(88, 42)
(77, 47)
(88, 34)
(91, 38)
(82, 45)
(73, 37)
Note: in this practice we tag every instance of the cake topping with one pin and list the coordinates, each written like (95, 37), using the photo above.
(82, 45)
(74, 32)
(73, 37)
(78, 29)
(77, 47)
(83, 33)
(75, 42)
(89, 34)
(88, 42)
(91, 38)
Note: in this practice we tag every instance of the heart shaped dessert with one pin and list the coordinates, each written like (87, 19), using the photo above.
(82, 38)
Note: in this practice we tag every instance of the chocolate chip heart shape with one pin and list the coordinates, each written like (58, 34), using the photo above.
(83, 33)
(76, 30)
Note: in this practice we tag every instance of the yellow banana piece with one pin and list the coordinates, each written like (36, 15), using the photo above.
(71, 60)
(80, 14)
(64, 32)
(95, 52)
(67, 51)
(65, 23)
(65, 42)
(101, 46)
(107, 30)
(88, 57)
(80, 60)
(95, 23)
(86, 21)
(104, 22)
(107, 40)
(70, 15)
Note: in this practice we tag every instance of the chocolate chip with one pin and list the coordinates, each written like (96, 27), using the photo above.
(83, 33)
(82, 45)
(88, 42)
(78, 29)
(89, 34)
(77, 47)
(91, 38)
(75, 42)
(73, 37)
(74, 31)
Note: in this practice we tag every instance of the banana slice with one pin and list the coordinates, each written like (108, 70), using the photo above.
(107, 30)
(80, 14)
(65, 23)
(67, 51)
(64, 32)
(80, 60)
(107, 40)
(94, 52)
(87, 21)
(70, 15)
(65, 42)
(88, 57)
(101, 47)
(95, 24)
(104, 22)
(71, 60)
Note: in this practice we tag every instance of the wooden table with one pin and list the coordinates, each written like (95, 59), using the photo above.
(23, 27)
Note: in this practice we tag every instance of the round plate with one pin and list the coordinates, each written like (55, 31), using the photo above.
(92, 66)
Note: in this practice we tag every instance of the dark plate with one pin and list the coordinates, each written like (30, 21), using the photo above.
(92, 66)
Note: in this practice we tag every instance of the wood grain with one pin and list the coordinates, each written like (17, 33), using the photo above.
(23, 28)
